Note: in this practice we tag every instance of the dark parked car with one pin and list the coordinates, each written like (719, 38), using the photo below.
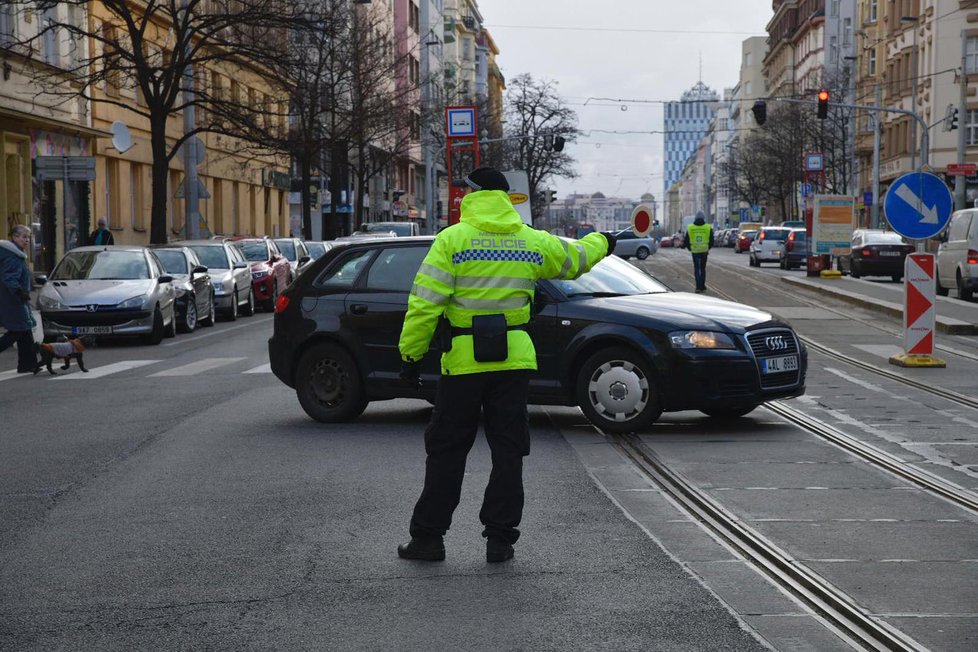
(795, 250)
(876, 253)
(192, 284)
(615, 342)
(744, 238)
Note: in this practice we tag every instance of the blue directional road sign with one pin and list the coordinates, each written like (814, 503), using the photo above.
(918, 205)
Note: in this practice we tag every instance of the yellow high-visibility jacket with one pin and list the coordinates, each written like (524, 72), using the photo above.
(699, 236)
(488, 263)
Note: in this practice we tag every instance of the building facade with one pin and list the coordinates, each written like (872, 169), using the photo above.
(686, 121)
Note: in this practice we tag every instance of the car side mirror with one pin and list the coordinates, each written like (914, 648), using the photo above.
(200, 269)
(240, 265)
(166, 278)
(304, 259)
(40, 279)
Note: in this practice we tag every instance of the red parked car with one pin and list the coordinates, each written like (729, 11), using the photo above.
(270, 270)
(744, 240)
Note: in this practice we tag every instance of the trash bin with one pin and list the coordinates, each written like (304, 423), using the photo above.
(815, 265)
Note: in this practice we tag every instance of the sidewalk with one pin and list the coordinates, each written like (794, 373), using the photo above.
(954, 317)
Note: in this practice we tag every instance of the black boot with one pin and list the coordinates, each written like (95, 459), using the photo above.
(498, 550)
(422, 549)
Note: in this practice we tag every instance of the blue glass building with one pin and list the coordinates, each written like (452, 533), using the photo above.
(686, 122)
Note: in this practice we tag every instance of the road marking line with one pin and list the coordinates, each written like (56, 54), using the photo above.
(263, 369)
(185, 340)
(197, 367)
(114, 368)
(9, 375)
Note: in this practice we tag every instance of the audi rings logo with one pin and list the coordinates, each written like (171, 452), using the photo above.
(92, 307)
(775, 343)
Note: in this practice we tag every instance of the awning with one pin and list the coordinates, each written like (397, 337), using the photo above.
(52, 124)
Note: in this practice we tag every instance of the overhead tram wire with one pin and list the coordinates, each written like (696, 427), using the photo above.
(636, 30)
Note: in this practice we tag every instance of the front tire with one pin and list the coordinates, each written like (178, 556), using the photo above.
(249, 308)
(642, 253)
(171, 330)
(156, 335)
(617, 392)
(963, 293)
(328, 384)
(232, 313)
(190, 321)
(211, 317)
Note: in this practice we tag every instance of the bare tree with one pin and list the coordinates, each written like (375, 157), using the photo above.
(535, 116)
(150, 48)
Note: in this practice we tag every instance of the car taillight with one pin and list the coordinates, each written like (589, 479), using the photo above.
(867, 253)
(972, 257)
(790, 245)
(282, 303)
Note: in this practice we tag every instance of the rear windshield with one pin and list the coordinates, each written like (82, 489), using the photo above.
(884, 237)
(212, 256)
(254, 251)
(779, 235)
(174, 262)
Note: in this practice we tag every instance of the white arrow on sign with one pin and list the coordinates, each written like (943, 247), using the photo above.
(906, 194)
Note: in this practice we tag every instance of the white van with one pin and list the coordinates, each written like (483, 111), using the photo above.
(957, 257)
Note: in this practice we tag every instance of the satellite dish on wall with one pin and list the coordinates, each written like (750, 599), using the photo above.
(121, 138)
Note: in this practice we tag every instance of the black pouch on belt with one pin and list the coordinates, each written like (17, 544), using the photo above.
(489, 338)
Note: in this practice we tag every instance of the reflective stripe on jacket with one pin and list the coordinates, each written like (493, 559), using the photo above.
(699, 237)
(488, 263)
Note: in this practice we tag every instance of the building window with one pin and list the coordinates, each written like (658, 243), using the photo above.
(873, 11)
(414, 17)
(971, 127)
(971, 55)
(8, 25)
(136, 196)
(872, 63)
(49, 42)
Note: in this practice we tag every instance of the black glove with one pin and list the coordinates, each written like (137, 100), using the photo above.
(411, 373)
(612, 240)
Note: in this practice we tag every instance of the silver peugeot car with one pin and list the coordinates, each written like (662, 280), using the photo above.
(109, 290)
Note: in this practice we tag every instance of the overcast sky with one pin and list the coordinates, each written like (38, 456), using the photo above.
(646, 51)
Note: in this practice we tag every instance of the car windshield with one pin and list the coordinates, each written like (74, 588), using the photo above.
(254, 251)
(102, 265)
(174, 262)
(287, 247)
(883, 237)
(611, 277)
(212, 256)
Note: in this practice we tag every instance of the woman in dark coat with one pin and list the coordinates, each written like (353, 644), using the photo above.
(15, 298)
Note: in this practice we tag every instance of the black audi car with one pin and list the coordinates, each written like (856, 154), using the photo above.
(616, 342)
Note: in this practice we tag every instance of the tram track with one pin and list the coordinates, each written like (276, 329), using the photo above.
(836, 610)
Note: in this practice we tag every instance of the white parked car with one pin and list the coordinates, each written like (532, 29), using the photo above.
(109, 290)
(768, 246)
(957, 256)
(629, 244)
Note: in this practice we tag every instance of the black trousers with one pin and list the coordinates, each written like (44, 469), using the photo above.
(26, 358)
(501, 397)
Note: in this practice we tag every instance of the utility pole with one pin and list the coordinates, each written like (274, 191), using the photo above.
(431, 219)
(960, 182)
(191, 199)
(877, 127)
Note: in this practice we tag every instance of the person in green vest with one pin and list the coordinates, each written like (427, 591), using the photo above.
(101, 235)
(477, 281)
(699, 241)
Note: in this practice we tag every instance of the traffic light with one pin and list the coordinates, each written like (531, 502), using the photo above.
(760, 111)
(823, 104)
(551, 196)
(951, 120)
(558, 143)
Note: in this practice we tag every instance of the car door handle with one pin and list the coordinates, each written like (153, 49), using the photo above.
(358, 308)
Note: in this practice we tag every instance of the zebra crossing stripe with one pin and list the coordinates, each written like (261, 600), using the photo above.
(10, 375)
(262, 369)
(99, 372)
(200, 366)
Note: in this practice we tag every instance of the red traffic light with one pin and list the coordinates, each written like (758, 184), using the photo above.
(823, 105)
(823, 96)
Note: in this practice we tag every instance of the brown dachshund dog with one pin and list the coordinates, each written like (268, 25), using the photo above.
(63, 350)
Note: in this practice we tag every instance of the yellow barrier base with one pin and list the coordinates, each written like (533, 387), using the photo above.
(907, 360)
(830, 273)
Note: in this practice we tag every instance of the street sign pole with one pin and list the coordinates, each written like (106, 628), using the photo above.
(918, 206)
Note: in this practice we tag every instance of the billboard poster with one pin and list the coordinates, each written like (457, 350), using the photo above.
(833, 221)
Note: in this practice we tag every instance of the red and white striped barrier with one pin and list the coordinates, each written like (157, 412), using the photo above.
(919, 313)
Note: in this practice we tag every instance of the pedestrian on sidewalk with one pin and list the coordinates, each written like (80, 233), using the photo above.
(15, 298)
(477, 284)
(699, 241)
(101, 235)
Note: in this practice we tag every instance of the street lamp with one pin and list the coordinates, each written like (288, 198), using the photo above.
(913, 104)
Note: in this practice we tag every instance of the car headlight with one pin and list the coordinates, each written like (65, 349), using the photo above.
(258, 275)
(50, 303)
(132, 304)
(700, 340)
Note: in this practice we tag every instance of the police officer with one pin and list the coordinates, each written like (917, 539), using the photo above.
(479, 276)
(699, 241)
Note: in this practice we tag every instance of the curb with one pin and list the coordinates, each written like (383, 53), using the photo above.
(947, 325)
